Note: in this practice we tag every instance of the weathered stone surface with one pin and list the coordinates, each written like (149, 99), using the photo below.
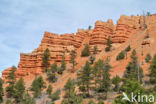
(126, 26)
(59, 45)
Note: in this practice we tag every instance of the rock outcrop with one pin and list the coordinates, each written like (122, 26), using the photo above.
(59, 45)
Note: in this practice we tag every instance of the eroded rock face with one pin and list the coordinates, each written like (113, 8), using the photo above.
(126, 26)
(59, 45)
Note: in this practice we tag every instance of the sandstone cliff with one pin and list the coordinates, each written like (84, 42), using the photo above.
(126, 27)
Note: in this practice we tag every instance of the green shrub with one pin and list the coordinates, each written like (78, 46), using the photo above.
(121, 55)
(55, 95)
(85, 51)
(128, 48)
(148, 58)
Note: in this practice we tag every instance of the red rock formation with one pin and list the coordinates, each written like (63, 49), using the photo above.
(126, 26)
(30, 63)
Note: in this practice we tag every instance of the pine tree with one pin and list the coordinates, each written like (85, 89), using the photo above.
(101, 77)
(49, 90)
(54, 68)
(85, 51)
(51, 74)
(63, 65)
(19, 90)
(116, 81)
(91, 102)
(153, 70)
(11, 79)
(27, 99)
(92, 59)
(109, 44)
(55, 95)
(70, 90)
(148, 58)
(133, 70)
(121, 55)
(37, 86)
(128, 87)
(1, 90)
(84, 78)
(95, 50)
(45, 60)
(73, 57)
(128, 48)
(100, 102)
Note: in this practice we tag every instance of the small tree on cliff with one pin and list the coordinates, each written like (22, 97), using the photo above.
(49, 90)
(11, 79)
(37, 86)
(63, 65)
(85, 51)
(116, 81)
(109, 44)
(72, 60)
(133, 70)
(84, 78)
(1, 90)
(45, 60)
(19, 90)
(95, 50)
(70, 90)
(153, 70)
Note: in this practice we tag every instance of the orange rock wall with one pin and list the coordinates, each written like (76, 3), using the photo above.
(30, 63)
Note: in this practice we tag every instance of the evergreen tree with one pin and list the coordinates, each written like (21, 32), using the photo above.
(133, 70)
(92, 59)
(37, 86)
(102, 77)
(100, 102)
(128, 48)
(1, 90)
(55, 95)
(27, 99)
(70, 90)
(85, 51)
(91, 102)
(148, 58)
(19, 90)
(84, 78)
(45, 60)
(109, 44)
(51, 75)
(121, 55)
(49, 90)
(63, 65)
(89, 27)
(11, 79)
(73, 57)
(95, 50)
(54, 68)
(153, 70)
(116, 81)
(128, 87)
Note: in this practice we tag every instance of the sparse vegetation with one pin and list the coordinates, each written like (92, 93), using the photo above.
(92, 59)
(95, 50)
(109, 45)
(55, 95)
(73, 57)
(11, 82)
(45, 60)
(37, 86)
(153, 70)
(85, 52)
(148, 58)
(121, 55)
